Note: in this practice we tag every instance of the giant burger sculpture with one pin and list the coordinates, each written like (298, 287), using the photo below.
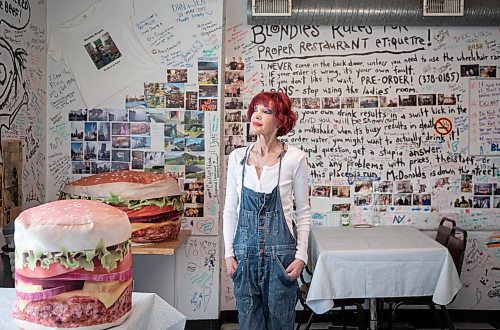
(73, 266)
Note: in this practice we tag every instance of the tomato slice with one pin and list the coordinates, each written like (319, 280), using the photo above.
(146, 211)
(58, 269)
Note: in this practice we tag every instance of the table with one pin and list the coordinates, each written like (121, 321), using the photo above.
(149, 311)
(377, 262)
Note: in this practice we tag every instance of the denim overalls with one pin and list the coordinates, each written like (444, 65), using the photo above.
(264, 247)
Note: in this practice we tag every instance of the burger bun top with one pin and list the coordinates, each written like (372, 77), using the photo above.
(130, 185)
(71, 225)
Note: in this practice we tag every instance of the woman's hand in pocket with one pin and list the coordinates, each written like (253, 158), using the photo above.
(294, 269)
(231, 265)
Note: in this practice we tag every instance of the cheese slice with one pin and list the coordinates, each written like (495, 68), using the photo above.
(106, 292)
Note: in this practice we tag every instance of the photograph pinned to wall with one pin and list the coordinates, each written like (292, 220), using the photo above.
(208, 104)
(469, 70)
(90, 131)
(232, 116)
(141, 142)
(496, 202)
(383, 199)
(231, 90)
(231, 63)
(229, 145)
(120, 142)
(177, 172)
(104, 151)
(407, 100)
(90, 151)
(135, 102)
(103, 167)
(195, 144)
(388, 101)
(466, 183)
(193, 210)
(362, 200)
(206, 91)
(156, 115)
(155, 101)
(137, 160)
(194, 158)
(330, 102)
(341, 191)
(403, 186)
(483, 188)
(98, 115)
(402, 199)
(481, 202)
(489, 71)
(178, 144)
(138, 115)
(82, 167)
(173, 130)
(194, 124)
(140, 129)
(233, 103)
(174, 95)
(173, 116)
(368, 102)
(363, 187)
(12, 156)
(321, 191)
(191, 100)
(208, 64)
(311, 103)
(443, 99)
(349, 102)
(154, 89)
(76, 131)
(102, 50)
(383, 186)
(121, 155)
(463, 202)
(442, 183)
(77, 151)
(420, 185)
(174, 158)
(77, 115)
(426, 99)
(195, 172)
(177, 76)
(154, 160)
(118, 114)
(120, 128)
(194, 196)
(341, 207)
(209, 77)
(296, 103)
(233, 129)
(234, 77)
(496, 189)
(103, 131)
(119, 166)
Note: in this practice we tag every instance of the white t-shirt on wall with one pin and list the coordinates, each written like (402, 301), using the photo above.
(101, 48)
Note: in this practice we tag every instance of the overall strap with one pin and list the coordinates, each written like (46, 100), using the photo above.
(282, 154)
(244, 163)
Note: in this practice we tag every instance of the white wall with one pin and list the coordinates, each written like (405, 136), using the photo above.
(420, 144)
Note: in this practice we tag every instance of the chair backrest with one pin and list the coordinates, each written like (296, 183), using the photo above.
(445, 230)
(456, 246)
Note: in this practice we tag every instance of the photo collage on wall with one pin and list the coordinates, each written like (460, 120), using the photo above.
(161, 131)
(236, 124)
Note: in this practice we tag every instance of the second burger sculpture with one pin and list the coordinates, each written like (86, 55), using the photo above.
(153, 202)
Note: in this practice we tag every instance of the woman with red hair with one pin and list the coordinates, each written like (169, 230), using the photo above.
(264, 182)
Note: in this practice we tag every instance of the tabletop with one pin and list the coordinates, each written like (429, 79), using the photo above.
(377, 262)
(149, 311)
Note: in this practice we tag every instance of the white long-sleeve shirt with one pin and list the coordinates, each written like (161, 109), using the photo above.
(293, 185)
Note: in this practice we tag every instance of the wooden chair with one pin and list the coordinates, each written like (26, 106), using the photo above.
(445, 230)
(337, 303)
(456, 246)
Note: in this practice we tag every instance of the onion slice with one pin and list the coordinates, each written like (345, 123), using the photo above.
(76, 276)
(45, 294)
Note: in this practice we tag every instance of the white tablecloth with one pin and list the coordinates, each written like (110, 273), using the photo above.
(386, 261)
(149, 312)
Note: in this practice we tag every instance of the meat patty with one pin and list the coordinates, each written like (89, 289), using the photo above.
(166, 232)
(74, 312)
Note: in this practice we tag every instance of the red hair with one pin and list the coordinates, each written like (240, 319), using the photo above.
(282, 108)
